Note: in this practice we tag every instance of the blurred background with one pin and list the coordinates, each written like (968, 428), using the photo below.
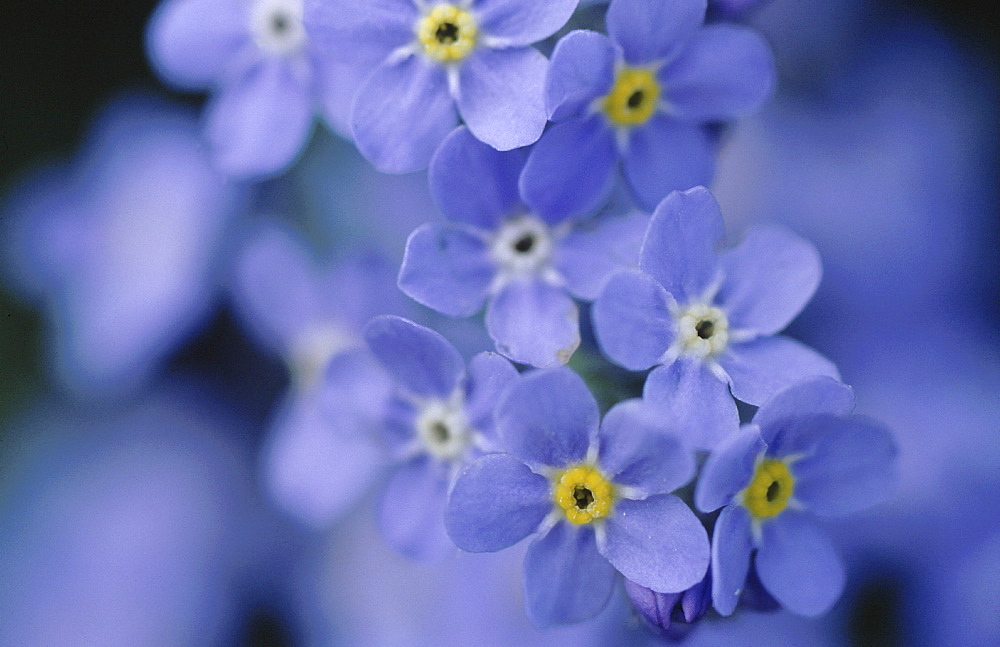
(139, 513)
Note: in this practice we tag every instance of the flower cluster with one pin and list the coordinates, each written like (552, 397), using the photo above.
(578, 242)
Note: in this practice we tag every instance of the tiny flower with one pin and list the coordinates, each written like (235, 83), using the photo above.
(439, 417)
(526, 263)
(123, 245)
(259, 62)
(641, 98)
(437, 61)
(707, 320)
(672, 614)
(597, 495)
(802, 456)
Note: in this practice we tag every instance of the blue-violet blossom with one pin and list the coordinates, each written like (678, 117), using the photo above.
(525, 261)
(434, 61)
(439, 417)
(802, 456)
(641, 97)
(708, 320)
(596, 494)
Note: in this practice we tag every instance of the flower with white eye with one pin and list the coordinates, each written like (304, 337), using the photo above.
(706, 321)
(277, 26)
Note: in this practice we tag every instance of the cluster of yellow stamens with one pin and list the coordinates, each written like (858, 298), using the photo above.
(769, 490)
(633, 99)
(447, 33)
(583, 493)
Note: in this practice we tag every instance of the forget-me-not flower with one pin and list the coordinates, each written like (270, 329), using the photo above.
(527, 263)
(439, 417)
(597, 493)
(435, 61)
(641, 98)
(707, 320)
(267, 79)
(801, 457)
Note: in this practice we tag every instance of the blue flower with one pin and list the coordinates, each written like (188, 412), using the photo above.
(707, 319)
(267, 78)
(597, 495)
(803, 456)
(641, 97)
(436, 61)
(525, 262)
(123, 245)
(440, 417)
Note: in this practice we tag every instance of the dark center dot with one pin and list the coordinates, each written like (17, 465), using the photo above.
(773, 490)
(705, 328)
(524, 244)
(279, 23)
(635, 99)
(447, 33)
(440, 432)
(584, 497)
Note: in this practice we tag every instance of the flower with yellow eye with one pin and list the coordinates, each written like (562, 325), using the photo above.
(598, 496)
(431, 62)
(802, 457)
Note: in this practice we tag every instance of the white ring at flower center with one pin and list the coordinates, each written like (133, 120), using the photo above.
(702, 330)
(523, 245)
(443, 429)
(276, 26)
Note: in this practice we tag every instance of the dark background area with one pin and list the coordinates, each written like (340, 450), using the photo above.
(61, 60)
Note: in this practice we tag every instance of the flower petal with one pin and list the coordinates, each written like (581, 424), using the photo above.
(679, 249)
(728, 469)
(760, 368)
(312, 469)
(534, 323)
(490, 375)
(731, 547)
(769, 278)
(814, 396)
(500, 96)
(799, 565)
(648, 31)
(548, 418)
(402, 113)
(657, 543)
(588, 255)
(638, 450)
(496, 502)
(419, 358)
(667, 155)
(417, 531)
(473, 182)
(632, 320)
(338, 83)
(446, 268)
(565, 579)
(851, 467)
(191, 41)
(723, 72)
(582, 69)
(697, 402)
(258, 124)
(571, 169)
(360, 31)
(522, 22)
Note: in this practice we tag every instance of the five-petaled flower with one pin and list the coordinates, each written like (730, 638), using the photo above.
(598, 495)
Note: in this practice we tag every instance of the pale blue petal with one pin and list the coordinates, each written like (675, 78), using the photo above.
(417, 531)
(446, 268)
(728, 469)
(769, 277)
(697, 402)
(360, 31)
(582, 69)
(500, 96)
(490, 375)
(653, 30)
(495, 503)
(419, 358)
(632, 320)
(667, 155)
(522, 22)
(731, 547)
(565, 579)
(190, 42)
(657, 543)
(814, 396)
(590, 253)
(760, 368)
(534, 323)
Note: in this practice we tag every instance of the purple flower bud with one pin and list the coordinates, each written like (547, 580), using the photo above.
(672, 615)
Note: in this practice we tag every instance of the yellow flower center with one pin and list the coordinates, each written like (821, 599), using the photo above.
(769, 490)
(447, 33)
(632, 100)
(583, 493)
